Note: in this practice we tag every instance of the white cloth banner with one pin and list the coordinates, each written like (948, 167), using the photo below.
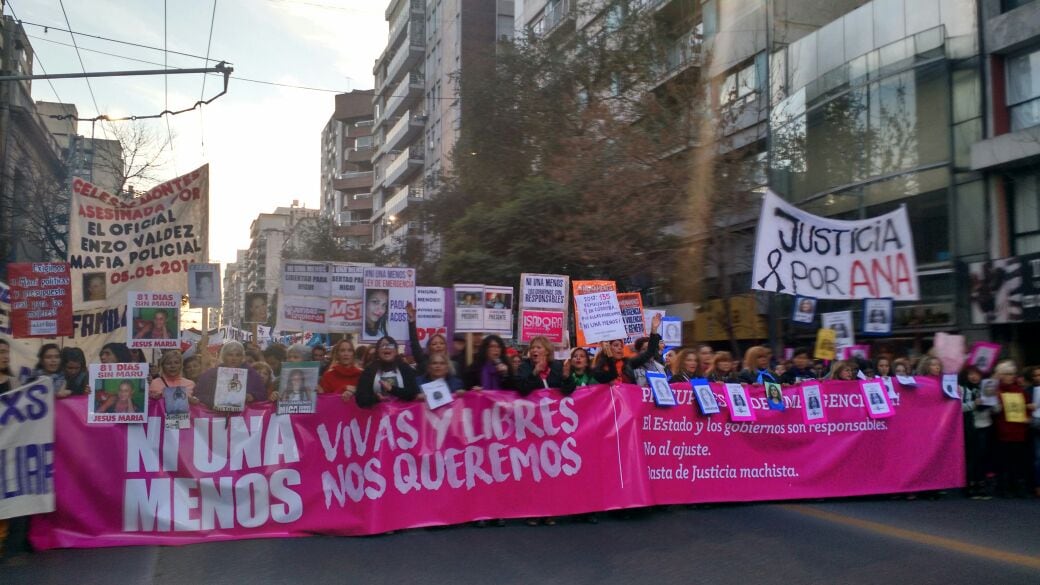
(803, 254)
(305, 279)
(27, 450)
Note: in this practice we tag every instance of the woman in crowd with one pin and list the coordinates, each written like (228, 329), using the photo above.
(971, 400)
(115, 353)
(343, 375)
(171, 375)
(901, 367)
(274, 355)
(883, 367)
(801, 367)
(929, 366)
(253, 355)
(439, 367)
(577, 371)
(363, 356)
(192, 368)
(122, 402)
(611, 364)
(1012, 435)
(539, 370)
(48, 363)
(232, 355)
(298, 352)
(841, 370)
(267, 374)
(686, 366)
(387, 376)
(438, 344)
(706, 358)
(648, 354)
(74, 367)
(756, 366)
(489, 369)
(722, 370)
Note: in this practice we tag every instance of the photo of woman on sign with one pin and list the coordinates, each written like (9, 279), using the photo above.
(376, 311)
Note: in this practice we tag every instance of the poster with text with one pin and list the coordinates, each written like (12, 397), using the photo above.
(498, 310)
(877, 317)
(298, 388)
(302, 314)
(429, 313)
(305, 279)
(156, 320)
(544, 291)
(584, 287)
(148, 242)
(799, 253)
(344, 315)
(41, 299)
(841, 323)
(599, 317)
(118, 393)
(631, 304)
(230, 392)
(548, 324)
(347, 280)
(469, 308)
(387, 291)
(204, 286)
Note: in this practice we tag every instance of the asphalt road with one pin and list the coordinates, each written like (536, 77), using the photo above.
(945, 542)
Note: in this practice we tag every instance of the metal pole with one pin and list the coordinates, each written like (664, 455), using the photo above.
(220, 68)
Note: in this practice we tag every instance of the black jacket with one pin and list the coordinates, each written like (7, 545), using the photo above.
(527, 381)
(366, 394)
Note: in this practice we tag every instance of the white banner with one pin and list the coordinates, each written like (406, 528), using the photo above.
(803, 254)
(144, 244)
(429, 313)
(544, 291)
(347, 280)
(305, 279)
(27, 450)
(600, 316)
(344, 316)
(387, 292)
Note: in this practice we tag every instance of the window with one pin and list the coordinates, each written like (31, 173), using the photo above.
(363, 142)
(740, 84)
(1023, 90)
(1025, 211)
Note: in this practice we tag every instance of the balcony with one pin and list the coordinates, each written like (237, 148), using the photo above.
(347, 181)
(357, 155)
(403, 96)
(352, 228)
(416, 11)
(405, 196)
(408, 55)
(358, 201)
(559, 15)
(404, 166)
(405, 130)
(681, 55)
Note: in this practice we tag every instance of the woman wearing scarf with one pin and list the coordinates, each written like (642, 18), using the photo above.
(756, 366)
(489, 370)
(539, 370)
(577, 371)
(388, 376)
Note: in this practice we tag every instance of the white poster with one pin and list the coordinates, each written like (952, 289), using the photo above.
(544, 291)
(600, 316)
(387, 292)
(347, 280)
(204, 286)
(344, 316)
(429, 313)
(841, 323)
(671, 330)
(498, 310)
(230, 392)
(156, 320)
(799, 253)
(302, 314)
(298, 388)
(469, 308)
(877, 316)
(118, 393)
(305, 279)
(29, 441)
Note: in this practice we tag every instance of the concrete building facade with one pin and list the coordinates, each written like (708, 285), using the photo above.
(269, 234)
(346, 169)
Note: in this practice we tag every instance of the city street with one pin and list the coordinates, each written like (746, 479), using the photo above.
(875, 540)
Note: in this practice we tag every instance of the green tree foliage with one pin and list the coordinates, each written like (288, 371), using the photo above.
(315, 239)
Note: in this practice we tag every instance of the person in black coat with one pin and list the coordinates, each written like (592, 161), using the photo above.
(388, 375)
(539, 370)
(610, 361)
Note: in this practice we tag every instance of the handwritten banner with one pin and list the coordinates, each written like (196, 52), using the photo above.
(350, 471)
(27, 450)
(41, 299)
(584, 287)
(799, 253)
(430, 313)
(631, 305)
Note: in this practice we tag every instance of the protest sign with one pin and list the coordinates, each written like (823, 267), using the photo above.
(671, 330)
(204, 286)
(344, 316)
(804, 310)
(256, 308)
(825, 344)
(302, 314)
(548, 324)
(387, 292)
(877, 316)
(27, 450)
(469, 310)
(175, 399)
(803, 254)
(498, 310)
(147, 242)
(298, 388)
(547, 292)
(347, 279)
(41, 299)
(599, 317)
(841, 323)
(876, 399)
(582, 287)
(118, 393)
(813, 401)
(230, 391)
(156, 320)
(429, 313)
(305, 279)
(346, 470)
(631, 305)
(984, 356)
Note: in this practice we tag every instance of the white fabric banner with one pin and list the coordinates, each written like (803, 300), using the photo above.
(803, 254)
(27, 449)
(305, 279)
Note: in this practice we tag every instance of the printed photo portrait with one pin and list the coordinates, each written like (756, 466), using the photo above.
(739, 405)
(877, 316)
(813, 401)
(115, 396)
(877, 403)
(298, 388)
(804, 310)
(984, 356)
(256, 308)
(467, 299)
(176, 400)
(377, 312)
(774, 396)
(663, 395)
(706, 399)
(498, 301)
(94, 287)
(204, 285)
(150, 323)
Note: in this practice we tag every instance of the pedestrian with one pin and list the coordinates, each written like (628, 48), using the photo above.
(1012, 411)
(970, 382)
(48, 364)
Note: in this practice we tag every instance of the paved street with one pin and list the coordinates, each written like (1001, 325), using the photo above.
(865, 541)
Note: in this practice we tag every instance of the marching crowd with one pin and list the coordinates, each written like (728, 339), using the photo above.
(1003, 456)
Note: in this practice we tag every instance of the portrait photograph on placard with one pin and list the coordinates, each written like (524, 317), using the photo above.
(204, 285)
(230, 389)
(256, 308)
(739, 403)
(876, 397)
(804, 311)
(877, 316)
(118, 393)
(812, 399)
(298, 388)
(984, 356)
(94, 287)
(705, 397)
(662, 392)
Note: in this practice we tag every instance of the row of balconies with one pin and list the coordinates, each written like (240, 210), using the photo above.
(405, 166)
(403, 96)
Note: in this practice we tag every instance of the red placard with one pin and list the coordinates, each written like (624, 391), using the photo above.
(41, 299)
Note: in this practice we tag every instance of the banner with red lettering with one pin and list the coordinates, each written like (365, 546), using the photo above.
(490, 454)
(798, 253)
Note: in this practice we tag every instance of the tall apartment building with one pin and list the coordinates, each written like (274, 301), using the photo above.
(97, 160)
(346, 168)
(234, 290)
(269, 234)
(417, 113)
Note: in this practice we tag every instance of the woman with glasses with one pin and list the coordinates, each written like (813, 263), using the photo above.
(388, 376)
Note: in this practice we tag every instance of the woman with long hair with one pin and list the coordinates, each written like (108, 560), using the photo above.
(489, 370)
(74, 367)
(539, 370)
(388, 376)
(343, 375)
(686, 366)
(48, 363)
(841, 370)
(232, 355)
(756, 366)
(722, 370)
(577, 371)
(171, 375)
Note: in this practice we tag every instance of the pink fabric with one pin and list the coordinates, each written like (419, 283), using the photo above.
(602, 448)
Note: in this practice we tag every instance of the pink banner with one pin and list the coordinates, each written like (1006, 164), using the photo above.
(348, 471)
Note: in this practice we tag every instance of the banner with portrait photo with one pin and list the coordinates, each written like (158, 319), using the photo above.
(298, 388)
(116, 245)
(27, 450)
(156, 320)
(204, 286)
(498, 310)
(469, 308)
(118, 393)
(844, 330)
(305, 279)
(41, 299)
(799, 253)
(547, 292)
(388, 290)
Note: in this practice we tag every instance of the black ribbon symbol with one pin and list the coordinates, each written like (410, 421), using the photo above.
(773, 259)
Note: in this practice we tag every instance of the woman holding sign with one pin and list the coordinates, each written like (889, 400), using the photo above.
(1012, 418)
(438, 344)
(232, 355)
(343, 375)
(611, 363)
(388, 376)
(171, 374)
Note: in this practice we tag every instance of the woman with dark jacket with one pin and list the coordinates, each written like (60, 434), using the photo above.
(756, 366)
(74, 366)
(539, 370)
(438, 344)
(489, 370)
(611, 364)
(388, 375)
(577, 371)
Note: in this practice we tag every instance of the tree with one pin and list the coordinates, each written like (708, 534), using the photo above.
(314, 239)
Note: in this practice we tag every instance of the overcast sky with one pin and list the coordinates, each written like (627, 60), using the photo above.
(262, 142)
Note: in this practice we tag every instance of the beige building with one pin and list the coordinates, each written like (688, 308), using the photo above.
(270, 233)
(346, 168)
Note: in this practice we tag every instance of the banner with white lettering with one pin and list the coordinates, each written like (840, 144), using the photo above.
(347, 279)
(388, 290)
(798, 253)
(116, 245)
(305, 279)
(27, 450)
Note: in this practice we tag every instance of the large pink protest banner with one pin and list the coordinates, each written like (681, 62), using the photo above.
(347, 471)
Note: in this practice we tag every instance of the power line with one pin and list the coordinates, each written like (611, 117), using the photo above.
(209, 43)
(82, 66)
(47, 27)
(37, 61)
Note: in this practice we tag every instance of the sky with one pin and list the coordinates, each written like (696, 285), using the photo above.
(262, 142)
